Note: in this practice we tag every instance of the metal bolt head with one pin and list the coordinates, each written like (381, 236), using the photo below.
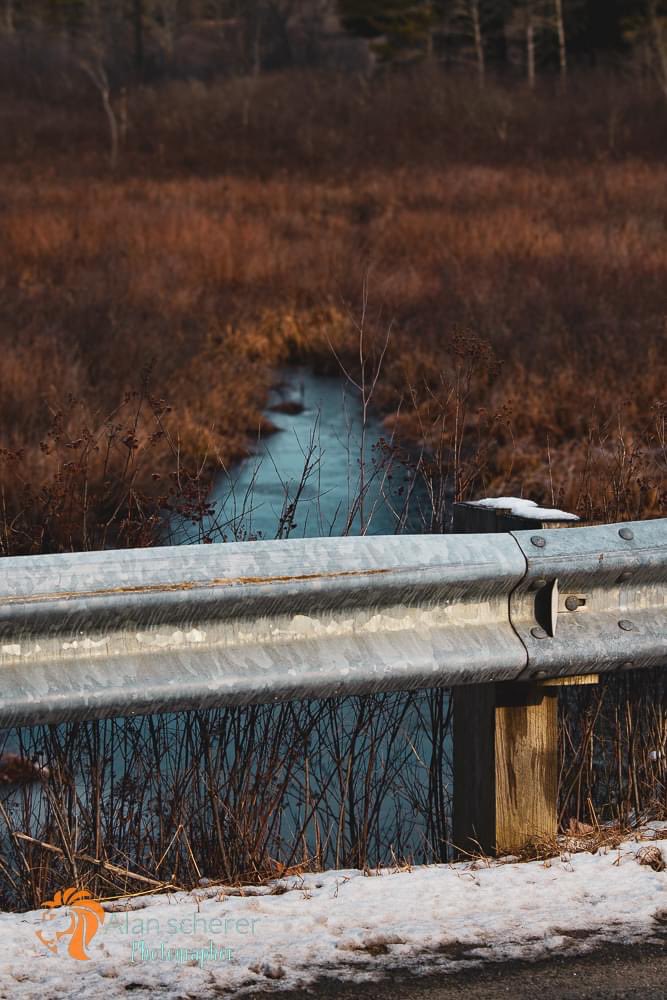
(627, 534)
(538, 584)
(539, 674)
(626, 625)
(627, 665)
(571, 603)
(538, 541)
(538, 632)
(625, 575)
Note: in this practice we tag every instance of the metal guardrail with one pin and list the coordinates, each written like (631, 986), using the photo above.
(116, 633)
(593, 599)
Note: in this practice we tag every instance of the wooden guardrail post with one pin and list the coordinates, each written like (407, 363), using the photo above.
(505, 739)
(505, 766)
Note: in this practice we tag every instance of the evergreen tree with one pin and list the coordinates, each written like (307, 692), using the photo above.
(402, 25)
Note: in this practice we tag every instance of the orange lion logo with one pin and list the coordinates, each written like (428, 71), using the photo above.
(85, 915)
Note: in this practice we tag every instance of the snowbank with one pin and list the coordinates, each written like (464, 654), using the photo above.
(344, 924)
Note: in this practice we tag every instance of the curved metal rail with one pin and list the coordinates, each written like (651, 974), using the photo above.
(115, 633)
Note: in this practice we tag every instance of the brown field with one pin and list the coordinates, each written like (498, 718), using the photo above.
(522, 275)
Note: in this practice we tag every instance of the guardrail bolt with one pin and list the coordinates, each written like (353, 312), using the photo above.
(538, 632)
(627, 534)
(538, 584)
(625, 575)
(626, 625)
(572, 603)
(538, 541)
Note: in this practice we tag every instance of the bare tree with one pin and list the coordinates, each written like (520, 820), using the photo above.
(529, 25)
(562, 44)
(522, 28)
(657, 24)
(93, 68)
(478, 39)
(534, 24)
(467, 16)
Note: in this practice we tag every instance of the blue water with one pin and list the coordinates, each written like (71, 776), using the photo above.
(321, 473)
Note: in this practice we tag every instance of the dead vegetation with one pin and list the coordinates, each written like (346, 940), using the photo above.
(250, 795)
(213, 282)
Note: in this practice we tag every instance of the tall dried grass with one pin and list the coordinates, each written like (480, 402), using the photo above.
(212, 282)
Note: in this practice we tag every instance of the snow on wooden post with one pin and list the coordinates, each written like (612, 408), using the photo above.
(506, 734)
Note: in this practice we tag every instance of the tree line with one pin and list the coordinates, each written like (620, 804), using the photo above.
(146, 38)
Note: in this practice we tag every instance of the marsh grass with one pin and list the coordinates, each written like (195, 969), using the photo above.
(220, 249)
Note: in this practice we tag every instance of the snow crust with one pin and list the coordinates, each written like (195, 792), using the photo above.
(345, 924)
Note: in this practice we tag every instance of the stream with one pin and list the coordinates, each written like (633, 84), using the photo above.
(307, 479)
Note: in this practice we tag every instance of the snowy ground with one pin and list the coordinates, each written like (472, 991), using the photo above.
(344, 924)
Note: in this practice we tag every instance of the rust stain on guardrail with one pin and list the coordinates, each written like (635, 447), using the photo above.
(161, 588)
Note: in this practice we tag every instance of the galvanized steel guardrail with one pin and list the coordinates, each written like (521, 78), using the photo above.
(114, 633)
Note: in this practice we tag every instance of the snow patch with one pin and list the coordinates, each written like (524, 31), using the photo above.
(347, 925)
(525, 508)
